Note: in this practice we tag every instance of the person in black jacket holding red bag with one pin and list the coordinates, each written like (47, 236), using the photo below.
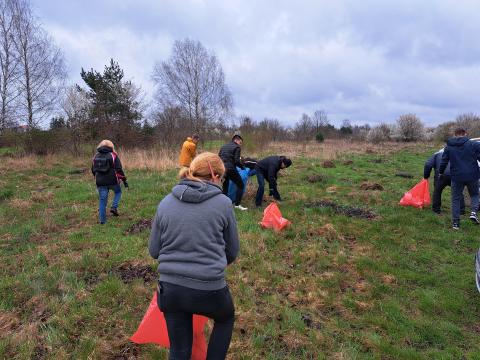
(268, 169)
(108, 172)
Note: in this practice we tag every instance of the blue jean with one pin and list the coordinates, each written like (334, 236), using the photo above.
(261, 189)
(179, 303)
(103, 200)
(457, 194)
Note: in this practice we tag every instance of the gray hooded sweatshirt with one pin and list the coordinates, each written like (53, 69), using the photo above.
(194, 236)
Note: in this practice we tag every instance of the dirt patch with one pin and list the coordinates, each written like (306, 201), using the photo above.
(128, 351)
(404, 175)
(343, 209)
(139, 226)
(328, 164)
(128, 272)
(347, 162)
(310, 323)
(315, 178)
(371, 186)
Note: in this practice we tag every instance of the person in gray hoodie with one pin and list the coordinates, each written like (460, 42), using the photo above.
(194, 237)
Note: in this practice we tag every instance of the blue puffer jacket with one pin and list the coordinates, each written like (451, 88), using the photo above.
(463, 155)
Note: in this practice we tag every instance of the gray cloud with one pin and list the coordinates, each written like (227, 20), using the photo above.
(368, 61)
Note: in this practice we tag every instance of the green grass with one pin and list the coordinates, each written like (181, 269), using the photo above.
(398, 287)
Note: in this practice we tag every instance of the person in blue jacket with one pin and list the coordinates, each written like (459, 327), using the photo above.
(463, 154)
(439, 183)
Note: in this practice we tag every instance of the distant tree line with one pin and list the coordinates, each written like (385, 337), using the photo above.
(191, 96)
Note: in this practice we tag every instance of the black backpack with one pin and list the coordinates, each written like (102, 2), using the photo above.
(102, 163)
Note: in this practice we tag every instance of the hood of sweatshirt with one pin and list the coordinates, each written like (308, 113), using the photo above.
(104, 149)
(195, 191)
(457, 141)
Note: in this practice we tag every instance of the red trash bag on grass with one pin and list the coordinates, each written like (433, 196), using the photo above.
(418, 196)
(153, 329)
(272, 218)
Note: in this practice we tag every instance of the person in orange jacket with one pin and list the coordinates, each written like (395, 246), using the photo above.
(189, 150)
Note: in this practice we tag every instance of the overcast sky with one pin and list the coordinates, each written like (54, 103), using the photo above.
(368, 61)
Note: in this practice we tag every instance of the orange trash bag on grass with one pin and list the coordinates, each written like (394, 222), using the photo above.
(272, 218)
(418, 196)
(153, 329)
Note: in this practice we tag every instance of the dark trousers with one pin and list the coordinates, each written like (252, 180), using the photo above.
(438, 186)
(457, 194)
(261, 189)
(232, 174)
(179, 303)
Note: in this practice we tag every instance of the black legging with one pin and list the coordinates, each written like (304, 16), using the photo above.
(179, 303)
(237, 179)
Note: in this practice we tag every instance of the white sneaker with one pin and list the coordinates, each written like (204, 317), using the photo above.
(240, 207)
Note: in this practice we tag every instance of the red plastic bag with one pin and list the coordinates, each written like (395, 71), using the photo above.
(153, 329)
(418, 196)
(272, 218)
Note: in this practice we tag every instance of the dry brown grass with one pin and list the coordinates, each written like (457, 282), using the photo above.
(159, 159)
(332, 149)
(153, 159)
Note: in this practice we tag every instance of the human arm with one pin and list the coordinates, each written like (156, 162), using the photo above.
(429, 165)
(155, 241)
(230, 236)
(445, 160)
(119, 170)
(237, 158)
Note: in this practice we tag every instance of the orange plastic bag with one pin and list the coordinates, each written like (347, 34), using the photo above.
(418, 196)
(153, 329)
(272, 218)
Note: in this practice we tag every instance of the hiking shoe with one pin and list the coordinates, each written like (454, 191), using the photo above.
(456, 226)
(474, 218)
(240, 207)
(114, 212)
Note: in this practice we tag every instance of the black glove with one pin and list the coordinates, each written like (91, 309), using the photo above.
(125, 183)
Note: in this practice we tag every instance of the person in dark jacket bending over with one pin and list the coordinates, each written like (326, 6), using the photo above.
(194, 236)
(108, 172)
(230, 155)
(463, 154)
(439, 183)
(268, 168)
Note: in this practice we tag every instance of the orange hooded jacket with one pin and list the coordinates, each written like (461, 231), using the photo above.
(188, 152)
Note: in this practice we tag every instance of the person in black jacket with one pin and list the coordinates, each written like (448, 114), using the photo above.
(108, 172)
(230, 155)
(268, 168)
(439, 183)
(463, 155)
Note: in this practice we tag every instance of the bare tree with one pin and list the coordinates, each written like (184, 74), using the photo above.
(192, 80)
(76, 107)
(41, 64)
(304, 130)
(410, 128)
(319, 120)
(8, 65)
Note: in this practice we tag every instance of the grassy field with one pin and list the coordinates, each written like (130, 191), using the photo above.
(332, 286)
